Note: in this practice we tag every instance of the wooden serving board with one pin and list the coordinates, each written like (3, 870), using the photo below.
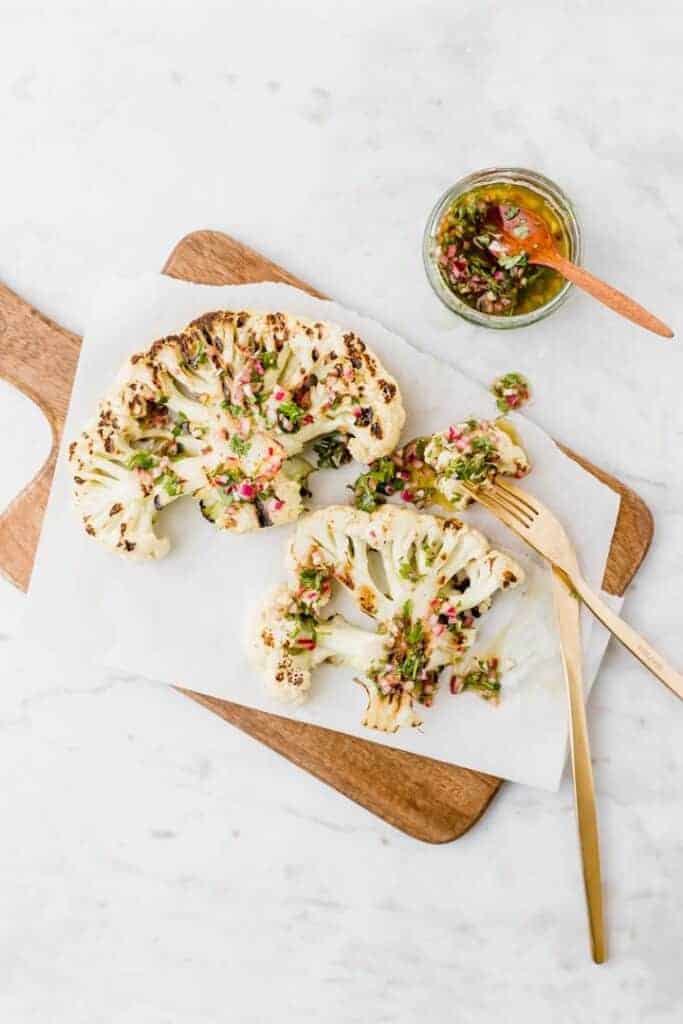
(427, 799)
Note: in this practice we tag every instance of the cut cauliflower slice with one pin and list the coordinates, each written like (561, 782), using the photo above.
(222, 412)
(432, 470)
(291, 642)
(473, 452)
(422, 580)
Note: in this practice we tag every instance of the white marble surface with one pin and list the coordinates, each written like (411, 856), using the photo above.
(156, 866)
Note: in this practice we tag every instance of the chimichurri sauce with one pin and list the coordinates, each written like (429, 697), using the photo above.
(473, 267)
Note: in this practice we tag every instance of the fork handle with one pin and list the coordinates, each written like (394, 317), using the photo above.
(567, 613)
(635, 643)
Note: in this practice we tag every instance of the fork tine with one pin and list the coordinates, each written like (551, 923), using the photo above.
(525, 517)
(522, 496)
(508, 516)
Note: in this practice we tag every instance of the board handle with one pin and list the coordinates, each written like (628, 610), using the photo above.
(39, 358)
(210, 257)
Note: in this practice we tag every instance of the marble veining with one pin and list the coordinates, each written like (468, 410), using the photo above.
(157, 866)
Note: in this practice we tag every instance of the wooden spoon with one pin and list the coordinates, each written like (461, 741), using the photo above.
(523, 231)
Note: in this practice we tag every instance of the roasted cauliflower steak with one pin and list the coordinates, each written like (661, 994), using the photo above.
(222, 412)
(421, 580)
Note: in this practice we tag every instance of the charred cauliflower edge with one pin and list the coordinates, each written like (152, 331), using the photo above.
(424, 581)
(221, 412)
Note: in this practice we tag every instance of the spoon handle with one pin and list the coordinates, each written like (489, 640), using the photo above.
(604, 293)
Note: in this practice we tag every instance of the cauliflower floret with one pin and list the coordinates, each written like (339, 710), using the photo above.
(222, 412)
(432, 470)
(115, 500)
(422, 580)
(289, 642)
(473, 452)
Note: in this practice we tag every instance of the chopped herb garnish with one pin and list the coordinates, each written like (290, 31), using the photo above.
(268, 360)
(141, 460)
(484, 679)
(291, 412)
(332, 451)
(408, 570)
(171, 483)
(234, 410)
(312, 579)
(180, 423)
(199, 357)
(511, 391)
(239, 445)
(508, 262)
(371, 489)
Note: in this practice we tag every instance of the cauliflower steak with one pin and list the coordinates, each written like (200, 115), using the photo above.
(422, 580)
(222, 412)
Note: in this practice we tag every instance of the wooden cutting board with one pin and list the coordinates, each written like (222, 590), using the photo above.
(427, 799)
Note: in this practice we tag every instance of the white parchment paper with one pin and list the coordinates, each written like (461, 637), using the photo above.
(184, 619)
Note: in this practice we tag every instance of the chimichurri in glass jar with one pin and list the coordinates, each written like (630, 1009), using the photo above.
(473, 265)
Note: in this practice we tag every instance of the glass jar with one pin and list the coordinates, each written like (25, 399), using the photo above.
(550, 192)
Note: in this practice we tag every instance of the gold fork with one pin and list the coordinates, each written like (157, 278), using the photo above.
(567, 615)
(536, 524)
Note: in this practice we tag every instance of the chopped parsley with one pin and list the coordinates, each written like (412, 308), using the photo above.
(332, 451)
(268, 360)
(371, 488)
(199, 357)
(312, 579)
(290, 411)
(511, 391)
(181, 424)
(415, 658)
(141, 460)
(229, 473)
(408, 570)
(430, 551)
(239, 445)
(304, 634)
(478, 461)
(234, 410)
(171, 483)
(484, 679)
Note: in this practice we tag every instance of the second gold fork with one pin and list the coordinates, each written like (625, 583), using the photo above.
(526, 516)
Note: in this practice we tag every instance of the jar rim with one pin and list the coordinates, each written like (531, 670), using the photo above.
(551, 192)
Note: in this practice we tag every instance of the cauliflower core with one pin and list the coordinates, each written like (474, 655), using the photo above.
(422, 579)
(221, 412)
(432, 470)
